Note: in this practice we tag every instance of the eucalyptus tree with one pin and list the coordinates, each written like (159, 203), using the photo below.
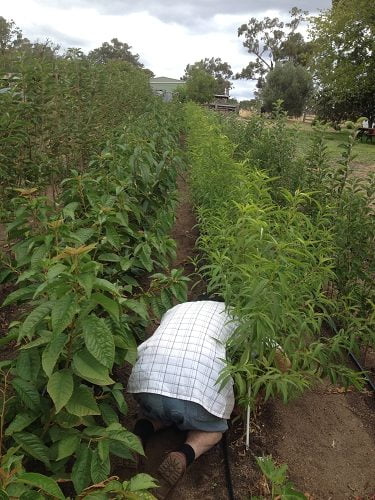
(344, 60)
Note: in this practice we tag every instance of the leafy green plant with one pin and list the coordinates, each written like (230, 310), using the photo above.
(272, 263)
(281, 488)
(91, 271)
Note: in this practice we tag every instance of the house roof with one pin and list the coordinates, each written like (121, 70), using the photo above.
(165, 79)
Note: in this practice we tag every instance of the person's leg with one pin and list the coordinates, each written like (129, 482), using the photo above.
(202, 441)
(153, 417)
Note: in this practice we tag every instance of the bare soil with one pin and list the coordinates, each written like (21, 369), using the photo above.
(326, 436)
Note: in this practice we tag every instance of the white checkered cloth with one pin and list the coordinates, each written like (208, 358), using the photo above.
(184, 357)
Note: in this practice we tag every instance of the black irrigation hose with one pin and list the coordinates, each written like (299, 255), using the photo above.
(360, 367)
(228, 476)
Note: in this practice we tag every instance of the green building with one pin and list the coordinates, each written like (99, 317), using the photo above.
(165, 87)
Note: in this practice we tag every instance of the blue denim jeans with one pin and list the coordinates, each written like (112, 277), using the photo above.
(186, 415)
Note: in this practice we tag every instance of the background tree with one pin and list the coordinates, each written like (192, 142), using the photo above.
(272, 41)
(115, 50)
(344, 60)
(200, 86)
(292, 84)
(10, 35)
(215, 67)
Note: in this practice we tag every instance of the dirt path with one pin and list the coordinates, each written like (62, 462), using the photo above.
(327, 438)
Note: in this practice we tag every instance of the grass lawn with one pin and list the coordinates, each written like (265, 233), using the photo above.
(365, 152)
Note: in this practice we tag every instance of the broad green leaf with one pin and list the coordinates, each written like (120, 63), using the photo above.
(67, 446)
(55, 271)
(52, 352)
(26, 275)
(88, 368)
(120, 449)
(33, 445)
(82, 402)
(108, 414)
(86, 280)
(33, 319)
(45, 338)
(28, 364)
(20, 294)
(70, 208)
(109, 257)
(99, 469)
(60, 388)
(108, 304)
(63, 312)
(81, 471)
(32, 495)
(27, 392)
(44, 483)
(128, 438)
(99, 340)
(142, 482)
(138, 307)
(107, 286)
(83, 234)
(113, 237)
(20, 422)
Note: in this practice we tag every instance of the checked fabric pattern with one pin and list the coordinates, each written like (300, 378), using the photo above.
(183, 358)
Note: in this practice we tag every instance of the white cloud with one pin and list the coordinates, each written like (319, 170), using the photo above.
(165, 47)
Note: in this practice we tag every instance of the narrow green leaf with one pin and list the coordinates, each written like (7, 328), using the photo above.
(82, 402)
(81, 475)
(63, 312)
(99, 340)
(103, 449)
(99, 469)
(60, 388)
(52, 352)
(44, 483)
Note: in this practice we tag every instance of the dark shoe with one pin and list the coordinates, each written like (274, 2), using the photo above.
(169, 473)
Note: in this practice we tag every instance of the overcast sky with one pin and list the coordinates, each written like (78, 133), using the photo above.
(167, 34)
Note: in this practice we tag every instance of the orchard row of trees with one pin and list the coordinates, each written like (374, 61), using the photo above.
(332, 71)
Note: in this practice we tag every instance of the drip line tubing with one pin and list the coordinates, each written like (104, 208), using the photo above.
(228, 475)
(360, 367)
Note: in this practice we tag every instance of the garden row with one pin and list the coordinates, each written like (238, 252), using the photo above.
(91, 270)
(56, 113)
(288, 245)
